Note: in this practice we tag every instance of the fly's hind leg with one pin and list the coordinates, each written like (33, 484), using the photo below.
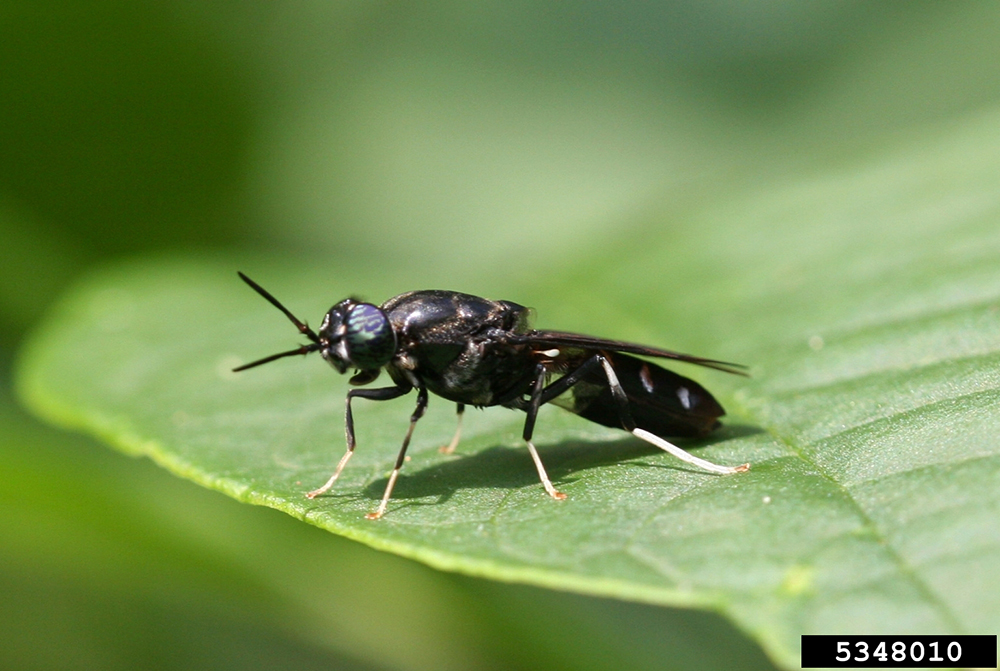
(621, 401)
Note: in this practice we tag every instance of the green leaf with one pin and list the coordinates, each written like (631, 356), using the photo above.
(867, 300)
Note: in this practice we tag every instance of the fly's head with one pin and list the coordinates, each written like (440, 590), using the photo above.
(356, 335)
(353, 335)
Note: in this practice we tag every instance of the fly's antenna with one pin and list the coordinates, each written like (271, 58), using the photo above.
(305, 349)
(300, 325)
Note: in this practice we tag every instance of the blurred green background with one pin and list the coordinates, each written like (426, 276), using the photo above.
(473, 147)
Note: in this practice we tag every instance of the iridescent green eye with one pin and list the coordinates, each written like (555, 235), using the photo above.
(370, 339)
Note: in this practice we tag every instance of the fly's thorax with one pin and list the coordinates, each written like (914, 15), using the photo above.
(436, 316)
(455, 344)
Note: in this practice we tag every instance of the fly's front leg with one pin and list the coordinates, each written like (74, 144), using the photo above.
(450, 447)
(529, 428)
(625, 415)
(418, 412)
(383, 394)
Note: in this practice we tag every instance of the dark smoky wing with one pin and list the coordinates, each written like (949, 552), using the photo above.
(548, 339)
(659, 400)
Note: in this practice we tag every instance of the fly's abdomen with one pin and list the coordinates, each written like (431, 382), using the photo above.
(660, 401)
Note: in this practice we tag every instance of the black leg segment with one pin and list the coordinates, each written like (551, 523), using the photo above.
(382, 394)
(418, 412)
(529, 428)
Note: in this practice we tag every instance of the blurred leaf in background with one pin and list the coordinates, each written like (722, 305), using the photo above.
(515, 150)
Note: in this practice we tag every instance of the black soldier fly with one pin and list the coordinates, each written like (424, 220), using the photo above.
(474, 351)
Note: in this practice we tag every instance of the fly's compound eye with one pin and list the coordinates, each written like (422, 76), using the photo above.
(371, 342)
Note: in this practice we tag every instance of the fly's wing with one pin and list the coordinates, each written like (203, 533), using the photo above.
(560, 339)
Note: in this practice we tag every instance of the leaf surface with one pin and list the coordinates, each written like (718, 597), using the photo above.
(867, 301)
